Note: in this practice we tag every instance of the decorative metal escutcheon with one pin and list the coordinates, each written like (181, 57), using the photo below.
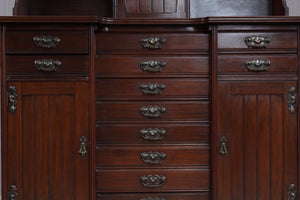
(152, 88)
(153, 42)
(292, 100)
(258, 65)
(83, 146)
(223, 148)
(13, 193)
(153, 134)
(257, 41)
(153, 66)
(153, 157)
(153, 198)
(292, 193)
(12, 98)
(152, 111)
(46, 41)
(153, 181)
(47, 65)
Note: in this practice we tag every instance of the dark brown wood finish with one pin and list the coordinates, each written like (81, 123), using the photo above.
(169, 196)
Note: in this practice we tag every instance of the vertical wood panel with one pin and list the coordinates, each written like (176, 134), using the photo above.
(157, 6)
(145, 6)
(171, 5)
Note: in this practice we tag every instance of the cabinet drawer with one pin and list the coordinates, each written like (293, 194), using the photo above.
(154, 156)
(257, 63)
(47, 41)
(157, 111)
(269, 40)
(168, 180)
(47, 65)
(151, 88)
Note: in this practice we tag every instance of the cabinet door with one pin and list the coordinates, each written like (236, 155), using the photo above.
(43, 141)
(256, 140)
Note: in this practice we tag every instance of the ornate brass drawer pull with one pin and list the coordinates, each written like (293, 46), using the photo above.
(153, 134)
(292, 100)
(83, 146)
(13, 193)
(223, 149)
(46, 41)
(257, 41)
(292, 193)
(153, 180)
(258, 65)
(12, 98)
(152, 111)
(153, 66)
(47, 65)
(153, 157)
(153, 42)
(152, 198)
(152, 88)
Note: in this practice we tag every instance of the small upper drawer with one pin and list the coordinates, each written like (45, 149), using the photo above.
(167, 196)
(258, 40)
(47, 41)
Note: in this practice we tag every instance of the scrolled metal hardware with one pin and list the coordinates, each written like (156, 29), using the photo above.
(153, 42)
(153, 198)
(47, 65)
(153, 157)
(152, 111)
(83, 146)
(292, 193)
(153, 66)
(46, 41)
(13, 193)
(152, 88)
(153, 134)
(258, 65)
(12, 98)
(223, 148)
(257, 41)
(153, 181)
(292, 100)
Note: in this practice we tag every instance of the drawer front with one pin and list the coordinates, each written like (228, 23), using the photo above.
(152, 111)
(156, 42)
(155, 133)
(269, 40)
(152, 65)
(154, 156)
(46, 41)
(168, 180)
(257, 63)
(152, 88)
(47, 65)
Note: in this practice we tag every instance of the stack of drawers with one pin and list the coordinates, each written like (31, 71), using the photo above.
(153, 113)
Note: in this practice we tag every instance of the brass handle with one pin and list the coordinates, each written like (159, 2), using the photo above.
(258, 65)
(223, 148)
(257, 41)
(152, 111)
(152, 88)
(153, 198)
(153, 42)
(47, 65)
(13, 193)
(153, 66)
(292, 100)
(153, 157)
(46, 41)
(153, 180)
(153, 134)
(12, 98)
(292, 193)
(83, 146)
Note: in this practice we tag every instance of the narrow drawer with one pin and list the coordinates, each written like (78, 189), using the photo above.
(151, 65)
(154, 156)
(152, 88)
(47, 65)
(180, 180)
(47, 41)
(258, 40)
(152, 43)
(257, 63)
(152, 111)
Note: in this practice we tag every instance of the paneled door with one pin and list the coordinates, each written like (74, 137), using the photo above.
(47, 141)
(257, 140)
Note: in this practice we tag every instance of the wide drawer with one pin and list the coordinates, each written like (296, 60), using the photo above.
(47, 65)
(258, 40)
(152, 88)
(151, 65)
(257, 63)
(152, 111)
(156, 133)
(152, 43)
(167, 180)
(47, 41)
(153, 156)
